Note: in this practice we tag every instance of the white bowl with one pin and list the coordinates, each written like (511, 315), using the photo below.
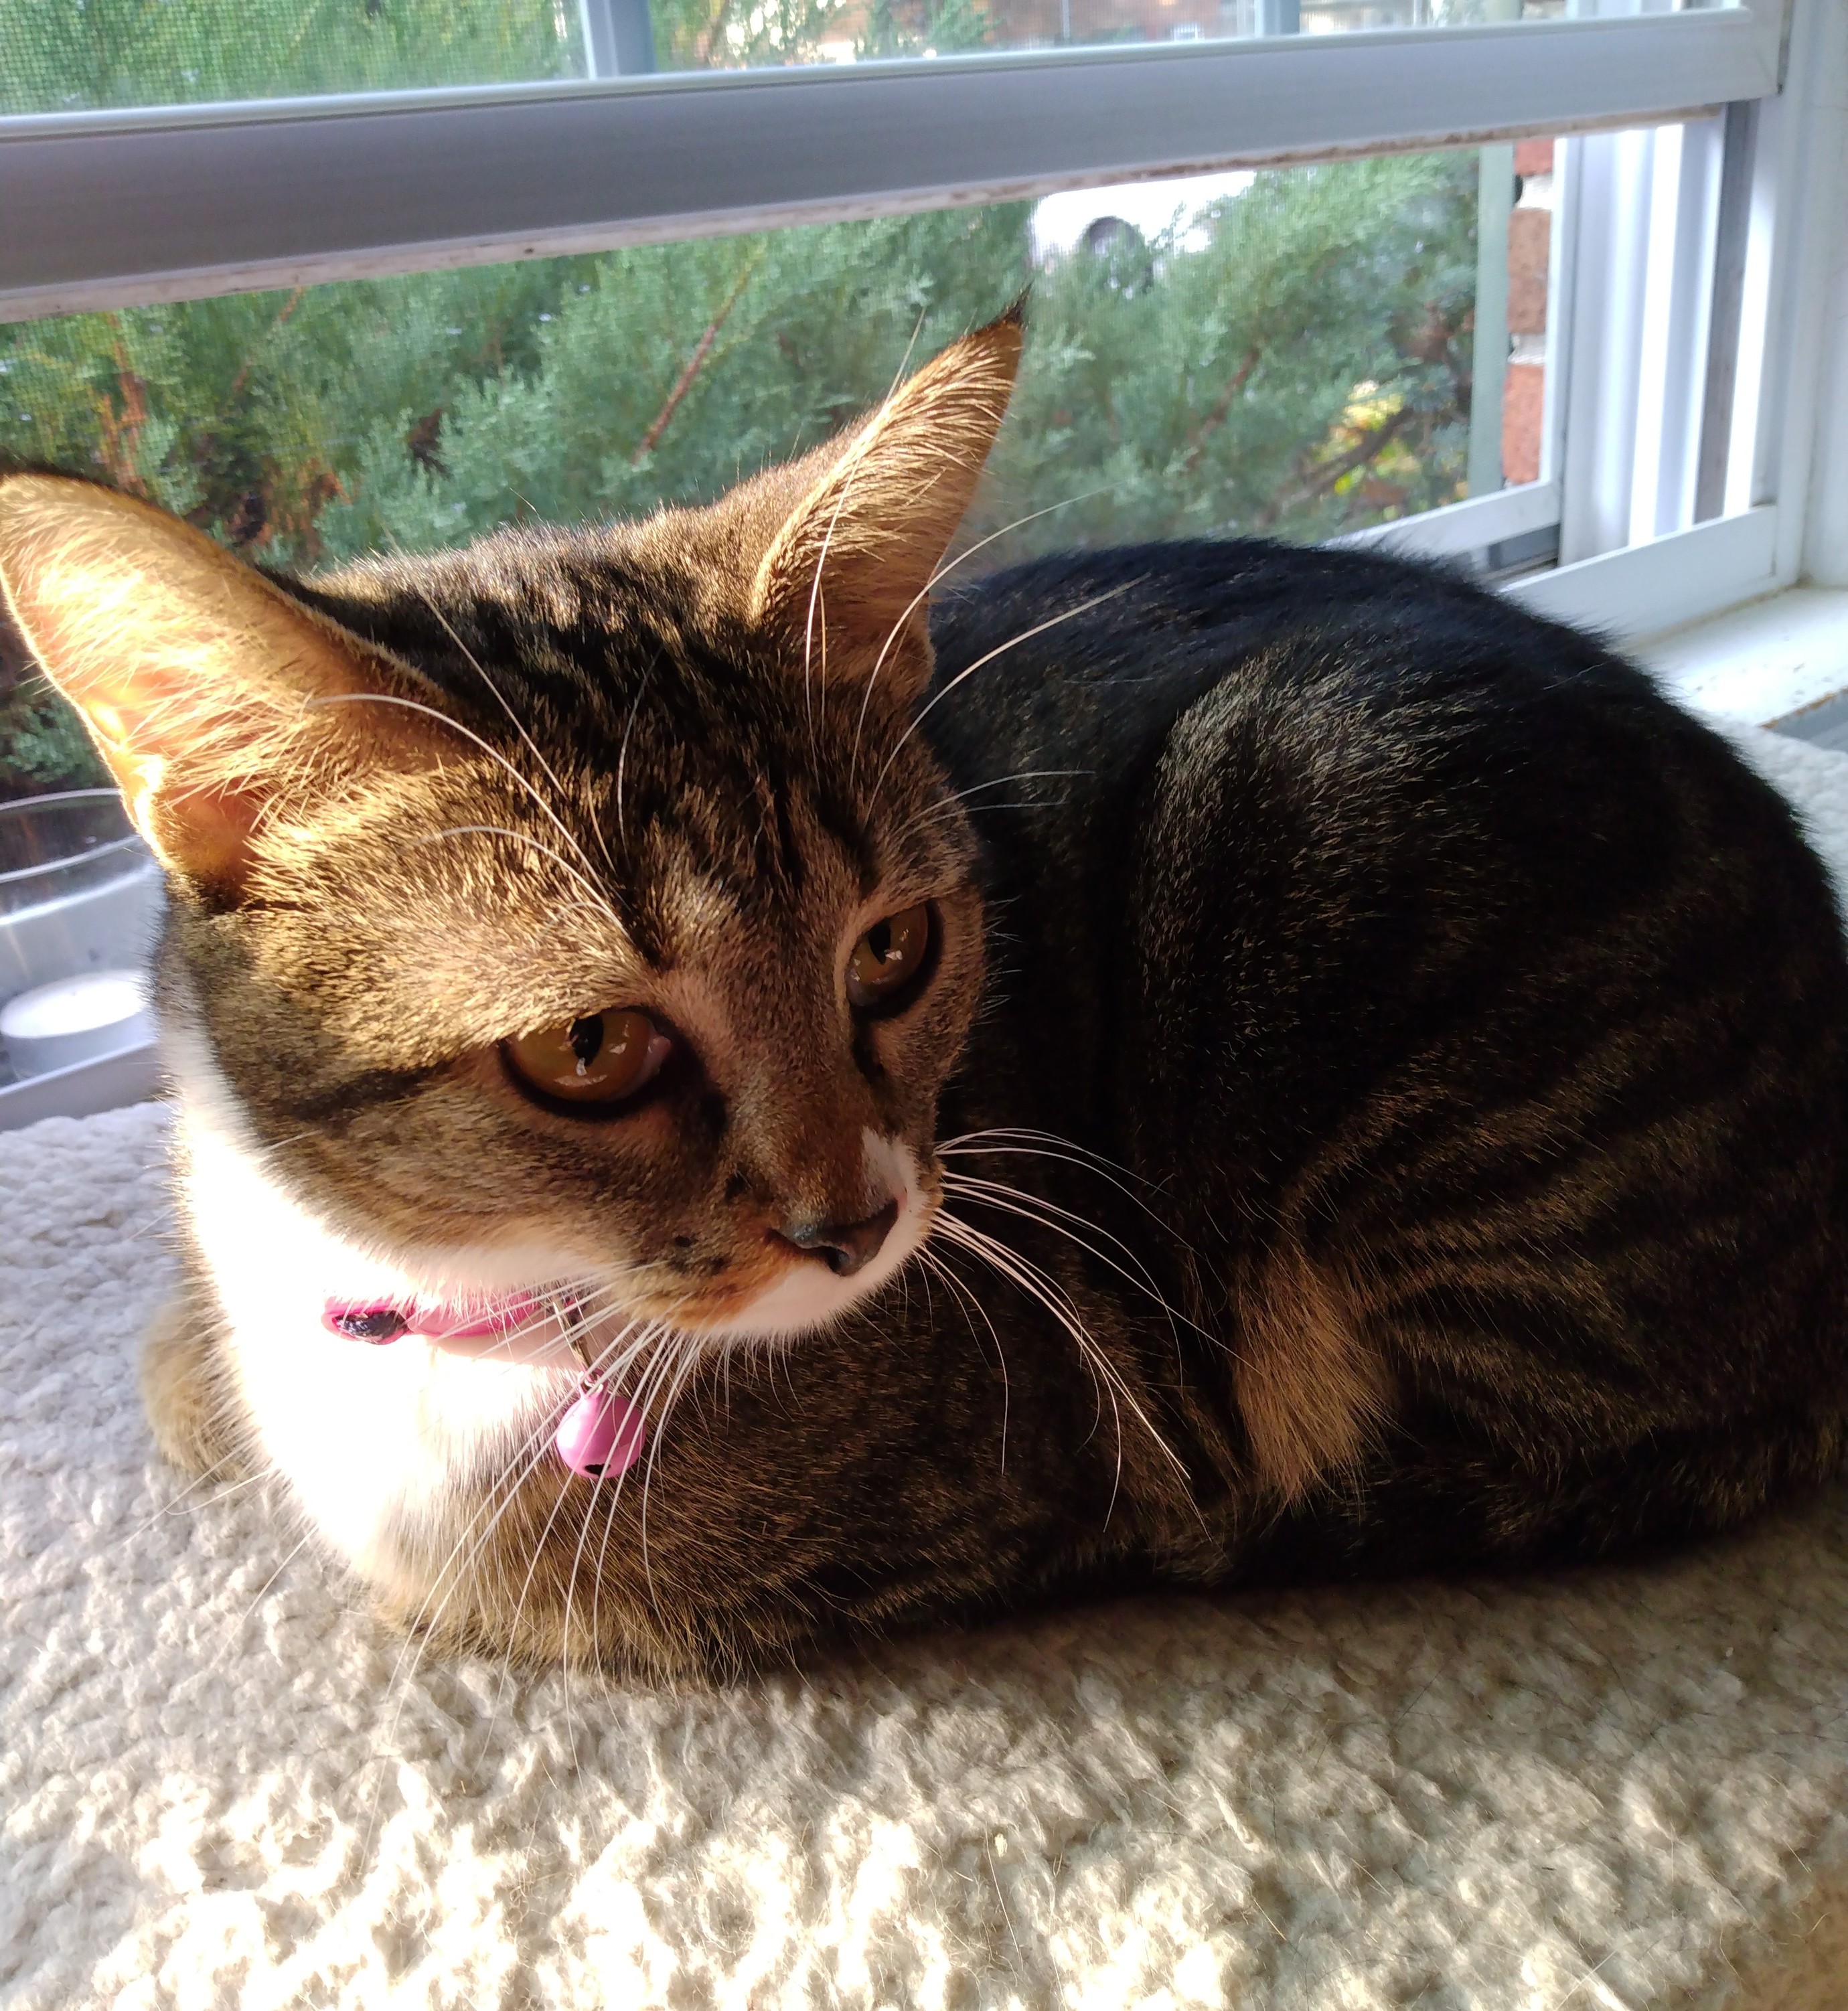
(75, 1020)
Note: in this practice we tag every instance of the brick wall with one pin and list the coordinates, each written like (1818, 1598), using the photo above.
(1529, 245)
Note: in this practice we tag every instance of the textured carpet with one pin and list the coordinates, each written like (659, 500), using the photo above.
(220, 1784)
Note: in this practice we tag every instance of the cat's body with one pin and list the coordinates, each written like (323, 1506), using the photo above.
(1399, 1058)
(1473, 1017)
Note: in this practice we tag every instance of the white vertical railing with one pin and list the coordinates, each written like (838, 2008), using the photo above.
(618, 37)
(1642, 395)
(1610, 186)
(1494, 204)
(1685, 209)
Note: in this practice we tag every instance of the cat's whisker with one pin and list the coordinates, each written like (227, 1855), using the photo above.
(1049, 1215)
(687, 1350)
(815, 602)
(966, 1296)
(622, 752)
(511, 1629)
(263, 1591)
(942, 571)
(981, 662)
(597, 1582)
(897, 376)
(1023, 1141)
(420, 1631)
(499, 1495)
(977, 809)
(475, 664)
(948, 804)
(652, 1376)
(469, 733)
(1027, 1278)
(1032, 1280)
(421, 1625)
(1007, 1135)
(606, 1368)
(192, 1487)
(1060, 1221)
(599, 906)
(571, 1586)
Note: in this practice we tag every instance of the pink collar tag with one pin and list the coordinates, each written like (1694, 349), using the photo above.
(602, 1434)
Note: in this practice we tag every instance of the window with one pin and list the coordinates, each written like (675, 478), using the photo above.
(1673, 249)
(124, 53)
(396, 270)
(1285, 353)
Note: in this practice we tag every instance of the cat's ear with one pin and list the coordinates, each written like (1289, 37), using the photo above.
(204, 687)
(854, 559)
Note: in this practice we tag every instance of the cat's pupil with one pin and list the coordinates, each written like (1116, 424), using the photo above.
(586, 1037)
(879, 940)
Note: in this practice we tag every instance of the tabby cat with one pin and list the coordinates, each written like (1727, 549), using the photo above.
(732, 1086)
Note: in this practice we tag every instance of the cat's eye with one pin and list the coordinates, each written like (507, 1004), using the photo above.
(604, 1057)
(889, 957)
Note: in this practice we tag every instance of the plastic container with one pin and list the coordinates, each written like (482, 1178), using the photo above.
(79, 891)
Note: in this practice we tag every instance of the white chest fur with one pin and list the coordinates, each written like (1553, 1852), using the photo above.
(391, 1450)
(385, 1448)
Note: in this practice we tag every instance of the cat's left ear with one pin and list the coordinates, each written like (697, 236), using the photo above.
(850, 569)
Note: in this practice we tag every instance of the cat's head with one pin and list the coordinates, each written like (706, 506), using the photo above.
(577, 904)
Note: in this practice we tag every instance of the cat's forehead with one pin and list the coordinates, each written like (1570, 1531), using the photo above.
(575, 638)
(704, 787)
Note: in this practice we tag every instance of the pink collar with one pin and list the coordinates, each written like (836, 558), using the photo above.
(379, 1321)
(602, 1433)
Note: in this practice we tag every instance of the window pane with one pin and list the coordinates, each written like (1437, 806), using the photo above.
(1286, 354)
(69, 57)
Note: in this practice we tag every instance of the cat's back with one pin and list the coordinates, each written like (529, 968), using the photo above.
(1442, 975)
(1102, 651)
(1390, 786)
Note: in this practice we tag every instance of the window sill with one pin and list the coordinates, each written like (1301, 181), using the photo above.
(1762, 663)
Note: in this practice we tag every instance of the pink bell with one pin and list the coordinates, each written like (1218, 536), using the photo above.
(601, 1434)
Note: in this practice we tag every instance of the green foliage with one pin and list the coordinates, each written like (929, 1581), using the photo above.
(1303, 373)
(42, 747)
(67, 56)
(1297, 367)
(249, 416)
(670, 371)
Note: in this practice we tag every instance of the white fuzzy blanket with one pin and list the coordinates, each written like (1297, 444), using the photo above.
(223, 1785)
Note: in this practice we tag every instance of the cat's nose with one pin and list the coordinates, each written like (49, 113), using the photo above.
(844, 1246)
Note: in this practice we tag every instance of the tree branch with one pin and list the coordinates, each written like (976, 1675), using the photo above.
(1332, 471)
(1222, 408)
(684, 383)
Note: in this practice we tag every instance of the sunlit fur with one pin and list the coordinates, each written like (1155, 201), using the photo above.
(425, 807)
(1377, 1097)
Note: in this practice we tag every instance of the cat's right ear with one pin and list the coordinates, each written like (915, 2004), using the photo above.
(205, 688)
(857, 554)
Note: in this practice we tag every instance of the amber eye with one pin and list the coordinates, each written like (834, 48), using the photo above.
(602, 1058)
(888, 956)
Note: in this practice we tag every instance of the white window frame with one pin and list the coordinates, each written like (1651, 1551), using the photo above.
(1741, 307)
(1753, 406)
(107, 209)
(111, 208)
